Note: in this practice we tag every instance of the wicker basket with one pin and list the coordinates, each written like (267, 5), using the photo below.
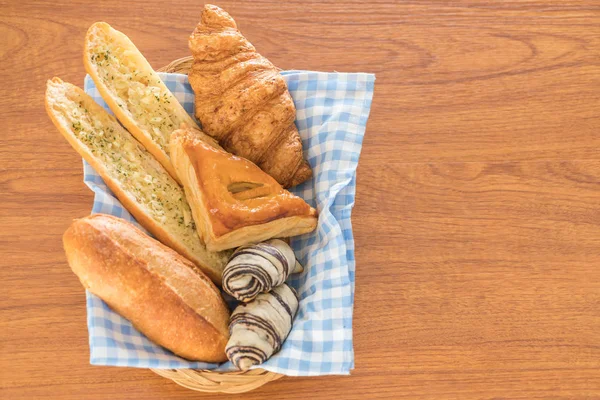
(179, 66)
(204, 380)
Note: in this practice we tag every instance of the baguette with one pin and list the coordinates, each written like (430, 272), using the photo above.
(141, 184)
(133, 91)
(164, 295)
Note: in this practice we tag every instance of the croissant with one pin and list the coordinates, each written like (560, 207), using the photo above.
(258, 268)
(243, 101)
(259, 328)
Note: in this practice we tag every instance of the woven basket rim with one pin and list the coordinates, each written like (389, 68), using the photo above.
(181, 65)
(219, 382)
(207, 380)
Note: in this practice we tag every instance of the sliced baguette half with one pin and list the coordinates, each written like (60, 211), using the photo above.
(141, 183)
(133, 91)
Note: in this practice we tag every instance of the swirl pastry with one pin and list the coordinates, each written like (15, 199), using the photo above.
(259, 328)
(259, 268)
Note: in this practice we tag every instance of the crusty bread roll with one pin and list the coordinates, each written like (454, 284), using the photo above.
(141, 184)
(164, 295)
(133, 91)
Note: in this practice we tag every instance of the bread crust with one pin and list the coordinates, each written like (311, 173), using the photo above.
(213, 271)
(163, 295)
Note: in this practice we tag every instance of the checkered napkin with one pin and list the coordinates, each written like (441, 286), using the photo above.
(332, 112)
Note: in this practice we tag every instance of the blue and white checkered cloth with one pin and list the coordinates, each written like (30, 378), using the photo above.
(332, 112)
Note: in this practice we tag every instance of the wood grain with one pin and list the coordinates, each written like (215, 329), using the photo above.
(477, 218)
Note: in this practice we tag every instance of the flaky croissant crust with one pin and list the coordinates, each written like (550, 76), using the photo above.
(243, 101)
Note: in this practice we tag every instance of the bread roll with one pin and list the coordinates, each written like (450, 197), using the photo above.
(165, 296)
(140, 183)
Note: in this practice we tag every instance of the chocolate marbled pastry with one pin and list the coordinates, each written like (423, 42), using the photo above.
(259, 328)
(258, 268)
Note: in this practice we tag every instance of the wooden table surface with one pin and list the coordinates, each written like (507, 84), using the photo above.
(477, 216)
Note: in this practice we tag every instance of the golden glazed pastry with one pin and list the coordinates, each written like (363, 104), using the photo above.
(243, 101)
(233, 201)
